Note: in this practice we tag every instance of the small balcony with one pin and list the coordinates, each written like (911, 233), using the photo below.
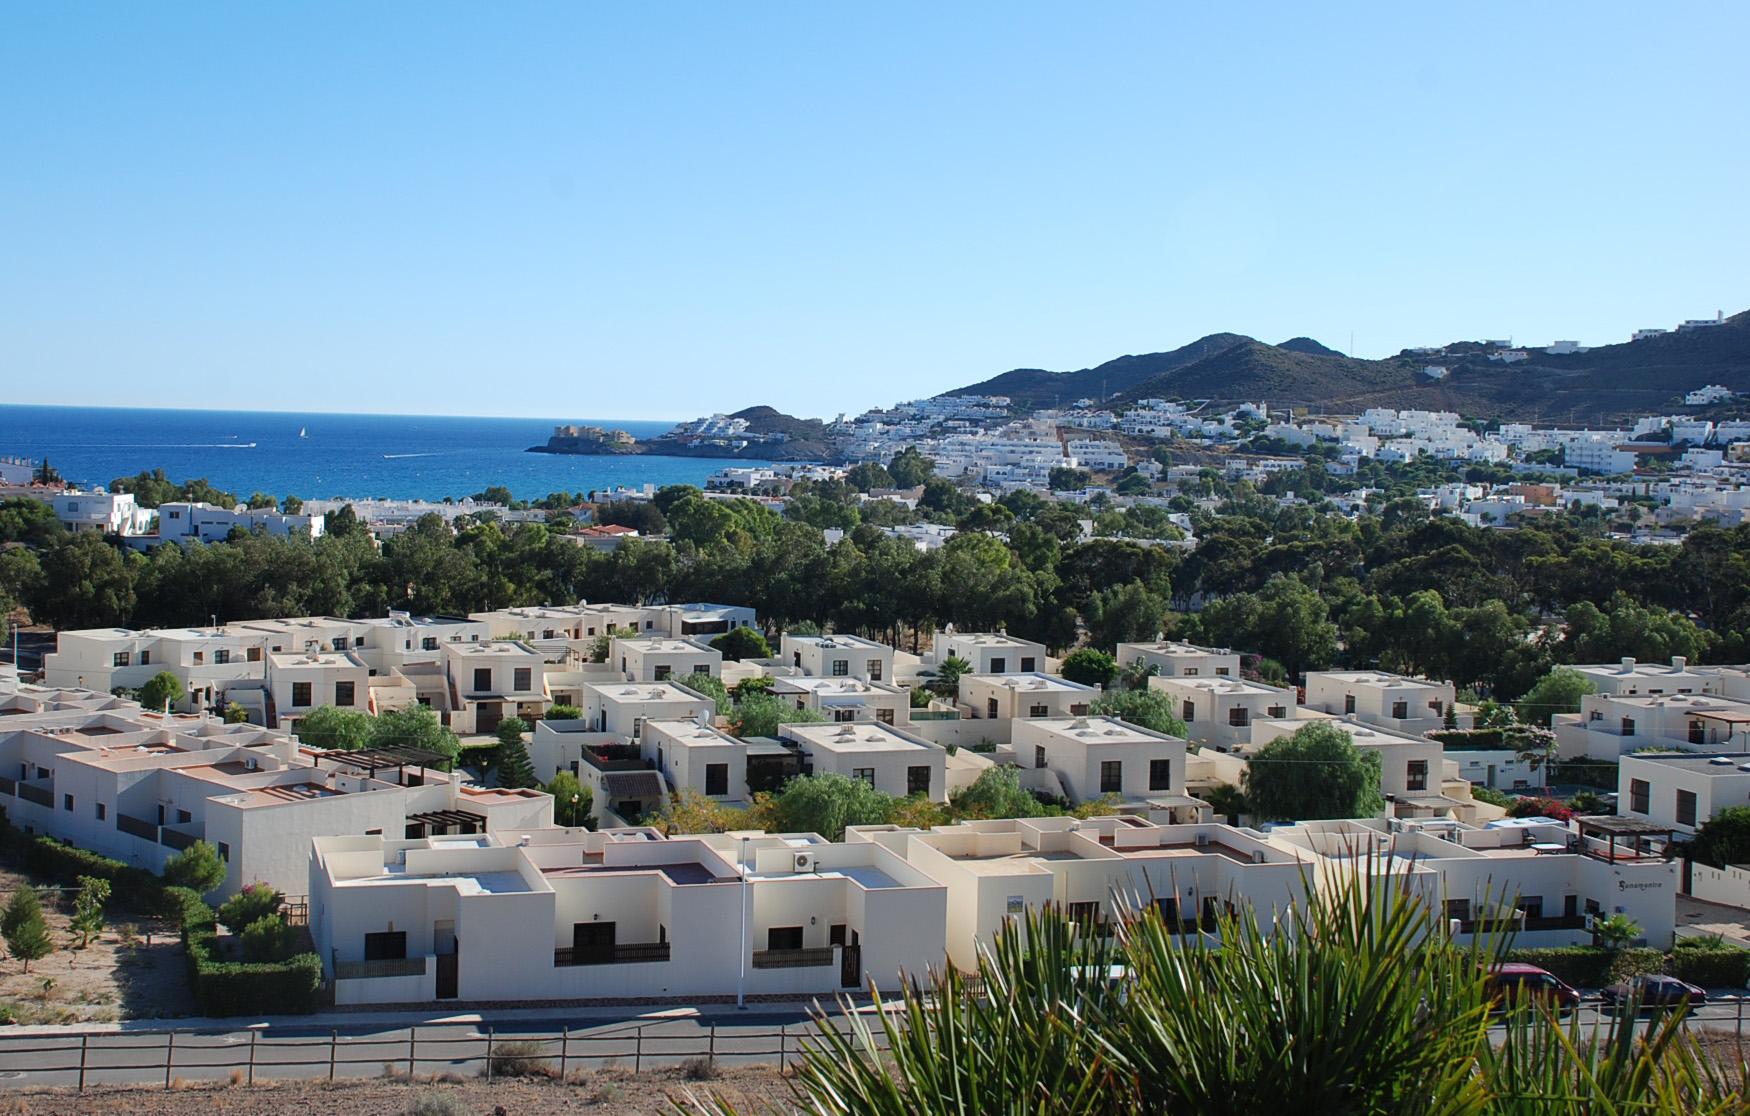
(137, 827)
(814, 958)
(632, 953)
(42, 796)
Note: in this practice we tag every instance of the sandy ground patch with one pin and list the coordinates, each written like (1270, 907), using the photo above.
(1731, 923)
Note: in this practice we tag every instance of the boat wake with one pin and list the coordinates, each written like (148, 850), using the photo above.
(391, 456)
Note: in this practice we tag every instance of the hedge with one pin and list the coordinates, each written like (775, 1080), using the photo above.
(1591, 966)
(1711, 964)
(289, 987)
(46, 856)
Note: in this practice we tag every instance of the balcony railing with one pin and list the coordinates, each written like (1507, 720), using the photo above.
(136, 827)
(8, 786)
(42, 796)
(387, 967)
(630, 954)
(793, 958)
(171, 839)
(1556, 922)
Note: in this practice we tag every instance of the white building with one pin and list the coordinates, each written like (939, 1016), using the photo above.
(890, 760)
(1097, 756)
(846, 699)
(1182, 659)
(989, 653)
(657, 660)
(1219, 711)
(1393, 701)
(113, 513)
(1682, 791)
(186, 522)
(839, 656)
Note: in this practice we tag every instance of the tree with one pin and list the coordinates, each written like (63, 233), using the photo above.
(1062, 478)
(87, 921)
(261, 501)
(292, 505)
(161, 690)
(26, 933)
(1152, 709)
(996, 793)
(1559, 691)
(416, 726)
(866, 475)
(826, 804)
(910, 468)
(197, 868)
(571, 801)
(1090, 667)
(268, 940)
(86, 583)
(235, 714)
(1228, 801)
(742, 643)
(949, 670)
(330, 728)
(515, 770)
(761, 714)
(1723, 839)
(1616, 932)
(688, 811)
(248, 907)
(1313, 774)
(708, 685)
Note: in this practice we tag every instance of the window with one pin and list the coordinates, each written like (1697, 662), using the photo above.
(1416, 775)
(716, 778)
(1434, 705)
(146, 658)
(340, 643)
(1038, 755)
(1111, 776)
(835, 934)
(1188, 711)
(1160, 774)
(252, 655)
(1027, 666)
(1639, 796)
(1239, 716)
(386, 946)
(67, 802)
(841, 668)
(874, 670)
(705, 668)
(1400, 710)
(343, 693)
(1079, 709)
(885, 716)
(784, 937)
(1685, 807)
(1459, 909)
(917, 779)
(1628, 726)
(224, 852)
(1086, 913)
(992, 708)
(867, 774)
(1277, 712)
(662, 672)
(121, 658)
(429, 643)
(547, 634)
(102, 812)
(1038, 711)
(183, 817)
(1188, 672)
(998, 665)
(300, 694)
(523, 679)
(842, 715)
(483, 680)
(1348, 703)
(1221, 671)
(200, 657)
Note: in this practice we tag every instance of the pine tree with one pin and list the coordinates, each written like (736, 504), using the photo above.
(27, 935)
(21, 908)
(515, 769)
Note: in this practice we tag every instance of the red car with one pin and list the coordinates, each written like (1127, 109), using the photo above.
(1513, 984)
(1655, 991)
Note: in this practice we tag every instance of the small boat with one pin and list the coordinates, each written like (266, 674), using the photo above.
(302, 433)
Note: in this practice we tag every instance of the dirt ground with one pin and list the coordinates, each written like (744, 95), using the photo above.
(119, 975)
(605, 1093)
(1731, 923)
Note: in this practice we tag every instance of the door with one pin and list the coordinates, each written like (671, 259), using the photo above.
(444, 944)
(592, 943)
(851, 963)
(487, 715)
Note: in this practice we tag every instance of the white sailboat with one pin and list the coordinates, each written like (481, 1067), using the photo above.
(301, 433)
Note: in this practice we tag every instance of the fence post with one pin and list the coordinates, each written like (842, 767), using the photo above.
(638, 1052)
(84, 1041)
(412, 1049)
(783, 1040)
(333, 1043)
(489, 1034)
(564, 1049)
(253, 1035)
(713, 1041)
(169, 1057)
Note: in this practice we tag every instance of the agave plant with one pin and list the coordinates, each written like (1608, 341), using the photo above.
(1356, 1001)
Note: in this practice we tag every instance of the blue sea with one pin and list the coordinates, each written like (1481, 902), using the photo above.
(325, 456)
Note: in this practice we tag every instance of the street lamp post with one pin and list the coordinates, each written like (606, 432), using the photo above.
(741, 963)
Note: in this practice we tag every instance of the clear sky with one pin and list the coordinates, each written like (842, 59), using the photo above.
(658, 210)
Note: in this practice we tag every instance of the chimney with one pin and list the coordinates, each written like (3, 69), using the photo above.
(1679, 664)
(1628, 665)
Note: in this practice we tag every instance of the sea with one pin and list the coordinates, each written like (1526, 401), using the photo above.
(322, 456)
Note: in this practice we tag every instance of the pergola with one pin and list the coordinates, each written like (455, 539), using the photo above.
(1631, 830)
(443, 819)
(373, 760)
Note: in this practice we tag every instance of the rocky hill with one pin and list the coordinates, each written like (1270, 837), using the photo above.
(1606, 384)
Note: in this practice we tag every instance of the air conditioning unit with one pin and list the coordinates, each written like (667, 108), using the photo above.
(251, 763)
(1201, 840)
(803, 862)
(1257, 856)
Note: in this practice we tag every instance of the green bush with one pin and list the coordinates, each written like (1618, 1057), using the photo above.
(224, 988)
(185, 907)
(1710, 963)
(268, 940)
(1591, 966)
(249, 906)
(45, 856)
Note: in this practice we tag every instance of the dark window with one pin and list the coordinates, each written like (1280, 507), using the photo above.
(1111, 776)
(1038, 711)
(1697, 733)
(1027, 666)
(200, 657)
(992, 708)
(1079, 709)
(1188, 711)
(1416, 775)
(917, 779)
(221, 656)
(835, 934)
(842, 714)
(224, 852)
(253, 654)
(998, 665)
(784, 937)
(1160, 774)
(67, 802)
(841, 668)
(300, 693)
(1628, 726)
(483, 680)
(183, 817)
(524, 679)
(874, 670)
(1239, 716)
(1685, 807)
(343, 693)
(1639, 796)
(1532, 906)
(1085, 913)
(1038, 755)
(702, 668)
(662, 672)
(1277, 712)
(121, 658)
(146, 657)
(885, 716)
(102, 811)
(867, 774)
(592, 943)
(1459, 909)
(1400, 710)
(716, 778)
(387, 945)
(429, 643)
(1348, 703)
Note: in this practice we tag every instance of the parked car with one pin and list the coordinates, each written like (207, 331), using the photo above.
(1655, 991)
(1513, 984)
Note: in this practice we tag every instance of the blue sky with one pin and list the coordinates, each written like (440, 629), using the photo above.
(659, 210)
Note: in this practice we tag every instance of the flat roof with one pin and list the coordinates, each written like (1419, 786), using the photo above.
(1702, 764)
(684, 873)
(1094, 730)
(1031, 682)
(855, 736)
(838, 641)
(676, 644)
(1372, 678)
(987, 639)
(642, 691)
(1219, 684)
